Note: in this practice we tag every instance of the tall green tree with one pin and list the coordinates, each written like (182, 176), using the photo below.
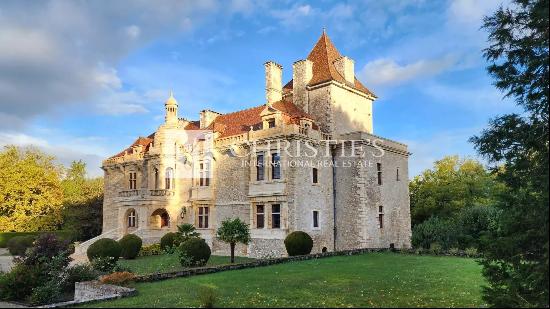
(234, 231)
(450, 186)
(516, 255)
(82, 202)
(30, 191)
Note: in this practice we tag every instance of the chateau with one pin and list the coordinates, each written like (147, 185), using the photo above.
(306, 159)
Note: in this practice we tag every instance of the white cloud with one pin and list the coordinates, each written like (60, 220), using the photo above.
(293, 16)
(470, 97)
(471, 12)
(386, 71)
(72, 149)
(55, 53)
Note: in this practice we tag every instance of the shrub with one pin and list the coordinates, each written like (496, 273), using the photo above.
(78, 273)
(434, 230)
(471, 252)
(19, 282)
(454, 251)
(6, 236)
(18, 245)
(50, 250)
(187, 231)
(47, 293)
(104, 247)
(104, 264)
(207, 297)
(436, 249)
(298, 243)
(130, 246)
(150, 250)
(170, 241)
(194, 252)
(119, 278)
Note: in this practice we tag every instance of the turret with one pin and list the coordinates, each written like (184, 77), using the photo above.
(171, 107)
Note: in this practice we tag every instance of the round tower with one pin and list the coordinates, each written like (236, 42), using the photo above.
(171, 106)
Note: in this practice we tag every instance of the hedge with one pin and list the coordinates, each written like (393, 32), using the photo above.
(5, 237)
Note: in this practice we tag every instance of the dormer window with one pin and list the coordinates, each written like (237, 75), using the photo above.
(271, 123)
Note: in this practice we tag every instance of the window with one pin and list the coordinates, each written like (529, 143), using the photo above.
(379, 172)
(260, 166)
(169, 178)
(315, 219)
(204, 174)
(132, 218)
(203, 217)
(133, 180)
(275, 166)
(397, 175)
(381, 217)
(156, 171)
(275, 216)
(260, 216)
(315, 175)
(271, 123)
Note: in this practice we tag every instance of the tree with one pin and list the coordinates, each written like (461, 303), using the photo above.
(515, 257)
(30, 191)
(452, 185)
(82, 202)
(233, 232)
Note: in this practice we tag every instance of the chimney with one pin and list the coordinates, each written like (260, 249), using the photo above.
(302, 72)
(345, 66)
(207, 117)
(273, 82)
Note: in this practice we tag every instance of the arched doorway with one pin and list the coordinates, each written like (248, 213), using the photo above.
(159, 219)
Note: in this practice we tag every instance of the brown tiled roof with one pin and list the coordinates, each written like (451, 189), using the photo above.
(323, 55)
(143, 141)
(241, 121)
(193, 125)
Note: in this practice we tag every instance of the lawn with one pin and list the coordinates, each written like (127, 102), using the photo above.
(169, 262)
(369, 280)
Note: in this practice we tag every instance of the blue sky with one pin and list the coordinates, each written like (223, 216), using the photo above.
(82, 80)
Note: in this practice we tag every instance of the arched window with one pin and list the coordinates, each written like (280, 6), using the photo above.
(169, 178)
(132, 218)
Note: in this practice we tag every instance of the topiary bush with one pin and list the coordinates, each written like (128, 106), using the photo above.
(130, 245)
(194, 252)
(18, 245)
(169, 241)
(104, 247)
(298, 243)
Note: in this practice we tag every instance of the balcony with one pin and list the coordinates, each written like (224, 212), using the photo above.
(201, 193)
(128, 195)
(162, 192)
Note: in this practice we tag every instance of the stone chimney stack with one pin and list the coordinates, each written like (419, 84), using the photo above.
(207, 117)
(273, 82)
(302, 72)
(346, 66)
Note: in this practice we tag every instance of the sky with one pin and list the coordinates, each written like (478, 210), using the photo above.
(82, 80)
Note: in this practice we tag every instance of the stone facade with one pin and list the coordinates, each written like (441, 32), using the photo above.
(306, 160)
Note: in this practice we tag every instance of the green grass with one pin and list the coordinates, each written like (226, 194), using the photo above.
(169, 262)
(369, 280)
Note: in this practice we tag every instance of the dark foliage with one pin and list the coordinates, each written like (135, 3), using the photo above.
(194, 252)
(130, 245)
(18, 245)
(298, 243)
(170, 240)
(515, 256)
(104, 247)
